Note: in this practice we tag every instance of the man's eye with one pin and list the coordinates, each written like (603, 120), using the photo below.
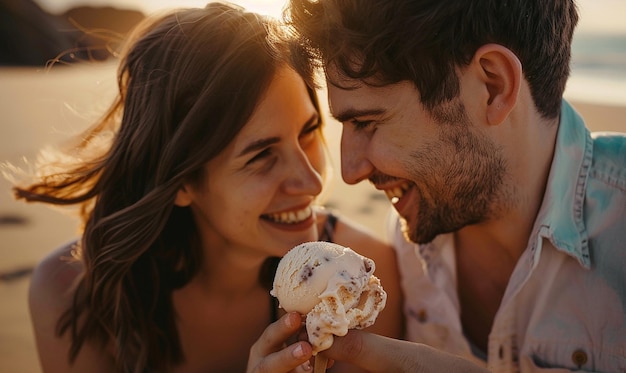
(361, 124)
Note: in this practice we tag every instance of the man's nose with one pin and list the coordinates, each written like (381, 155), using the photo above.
(355, 166)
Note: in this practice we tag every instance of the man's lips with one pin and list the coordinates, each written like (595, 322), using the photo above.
(401, 195)
(397, 192)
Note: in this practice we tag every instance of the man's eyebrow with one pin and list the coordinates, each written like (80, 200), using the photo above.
(348, 114)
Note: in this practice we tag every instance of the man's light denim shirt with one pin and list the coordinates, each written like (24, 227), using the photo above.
(564, 308)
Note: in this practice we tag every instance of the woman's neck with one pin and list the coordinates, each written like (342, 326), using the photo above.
(228, 272)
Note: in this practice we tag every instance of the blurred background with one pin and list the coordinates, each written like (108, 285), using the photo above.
(44, 105)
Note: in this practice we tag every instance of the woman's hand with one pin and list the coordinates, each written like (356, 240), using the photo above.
(270, 353)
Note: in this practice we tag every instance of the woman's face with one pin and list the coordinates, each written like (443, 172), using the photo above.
(256, 196)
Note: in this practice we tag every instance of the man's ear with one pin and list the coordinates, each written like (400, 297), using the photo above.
(183, 197)
(501, 72)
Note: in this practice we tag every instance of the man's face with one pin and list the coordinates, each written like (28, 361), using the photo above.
(440, 171)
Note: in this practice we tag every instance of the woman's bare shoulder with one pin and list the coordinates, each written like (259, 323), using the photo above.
(50, 295)
(52, 287)
(55, 275)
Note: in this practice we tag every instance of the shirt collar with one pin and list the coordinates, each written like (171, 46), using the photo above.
(560, 217)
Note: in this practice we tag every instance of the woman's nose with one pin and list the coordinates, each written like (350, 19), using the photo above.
(355, 165)
(302, 177)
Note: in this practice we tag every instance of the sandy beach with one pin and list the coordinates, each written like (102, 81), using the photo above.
(44, 108)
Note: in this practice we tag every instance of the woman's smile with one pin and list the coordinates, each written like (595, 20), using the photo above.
(291, 220)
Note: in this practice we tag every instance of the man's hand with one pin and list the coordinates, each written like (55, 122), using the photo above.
(376, 353)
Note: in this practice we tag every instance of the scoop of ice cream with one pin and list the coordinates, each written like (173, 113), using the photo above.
(333, 286)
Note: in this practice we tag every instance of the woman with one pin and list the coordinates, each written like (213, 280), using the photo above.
(205, 169)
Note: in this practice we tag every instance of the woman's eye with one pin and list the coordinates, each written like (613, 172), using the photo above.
(309, 134)
(311, 129)
(259, 156)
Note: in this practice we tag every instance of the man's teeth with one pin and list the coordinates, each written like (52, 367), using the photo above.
(394, 194)
(291, 217)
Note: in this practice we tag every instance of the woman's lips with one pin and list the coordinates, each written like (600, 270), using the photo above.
(292, 220)
(290, 217)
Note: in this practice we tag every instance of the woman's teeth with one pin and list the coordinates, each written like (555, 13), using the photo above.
(394, 194)
(291, 217)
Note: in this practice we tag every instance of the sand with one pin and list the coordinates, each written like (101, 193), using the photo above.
(41, 108)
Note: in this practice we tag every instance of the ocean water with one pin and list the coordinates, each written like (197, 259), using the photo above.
(600, 54)
(598, 68)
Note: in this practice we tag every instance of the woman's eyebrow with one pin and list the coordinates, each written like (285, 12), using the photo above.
(263, 143)
(258, 145)
(313, 119)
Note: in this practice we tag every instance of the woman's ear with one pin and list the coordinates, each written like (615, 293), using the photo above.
(501, 72)
(183, 197)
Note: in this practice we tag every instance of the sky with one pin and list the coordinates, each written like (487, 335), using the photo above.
(597, 16)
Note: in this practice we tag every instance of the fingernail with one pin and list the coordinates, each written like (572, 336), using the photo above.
(298, 352)
(306, 365)
(289, 321)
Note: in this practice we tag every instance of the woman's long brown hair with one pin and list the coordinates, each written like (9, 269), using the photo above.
(188, 82)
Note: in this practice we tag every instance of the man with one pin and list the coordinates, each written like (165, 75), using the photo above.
(455, 110)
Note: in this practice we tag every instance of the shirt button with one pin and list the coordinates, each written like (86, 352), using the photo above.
(422, 315)
(579, 357)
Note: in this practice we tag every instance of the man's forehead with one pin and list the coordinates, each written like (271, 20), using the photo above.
(355, 100)
(336, 78)
(350, 98)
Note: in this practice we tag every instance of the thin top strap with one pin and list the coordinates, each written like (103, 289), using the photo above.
(329, 228)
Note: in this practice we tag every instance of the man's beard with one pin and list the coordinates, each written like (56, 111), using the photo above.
(461, 179)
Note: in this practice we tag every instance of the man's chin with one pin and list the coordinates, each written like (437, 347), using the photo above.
(414, 235)
(420, 240)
